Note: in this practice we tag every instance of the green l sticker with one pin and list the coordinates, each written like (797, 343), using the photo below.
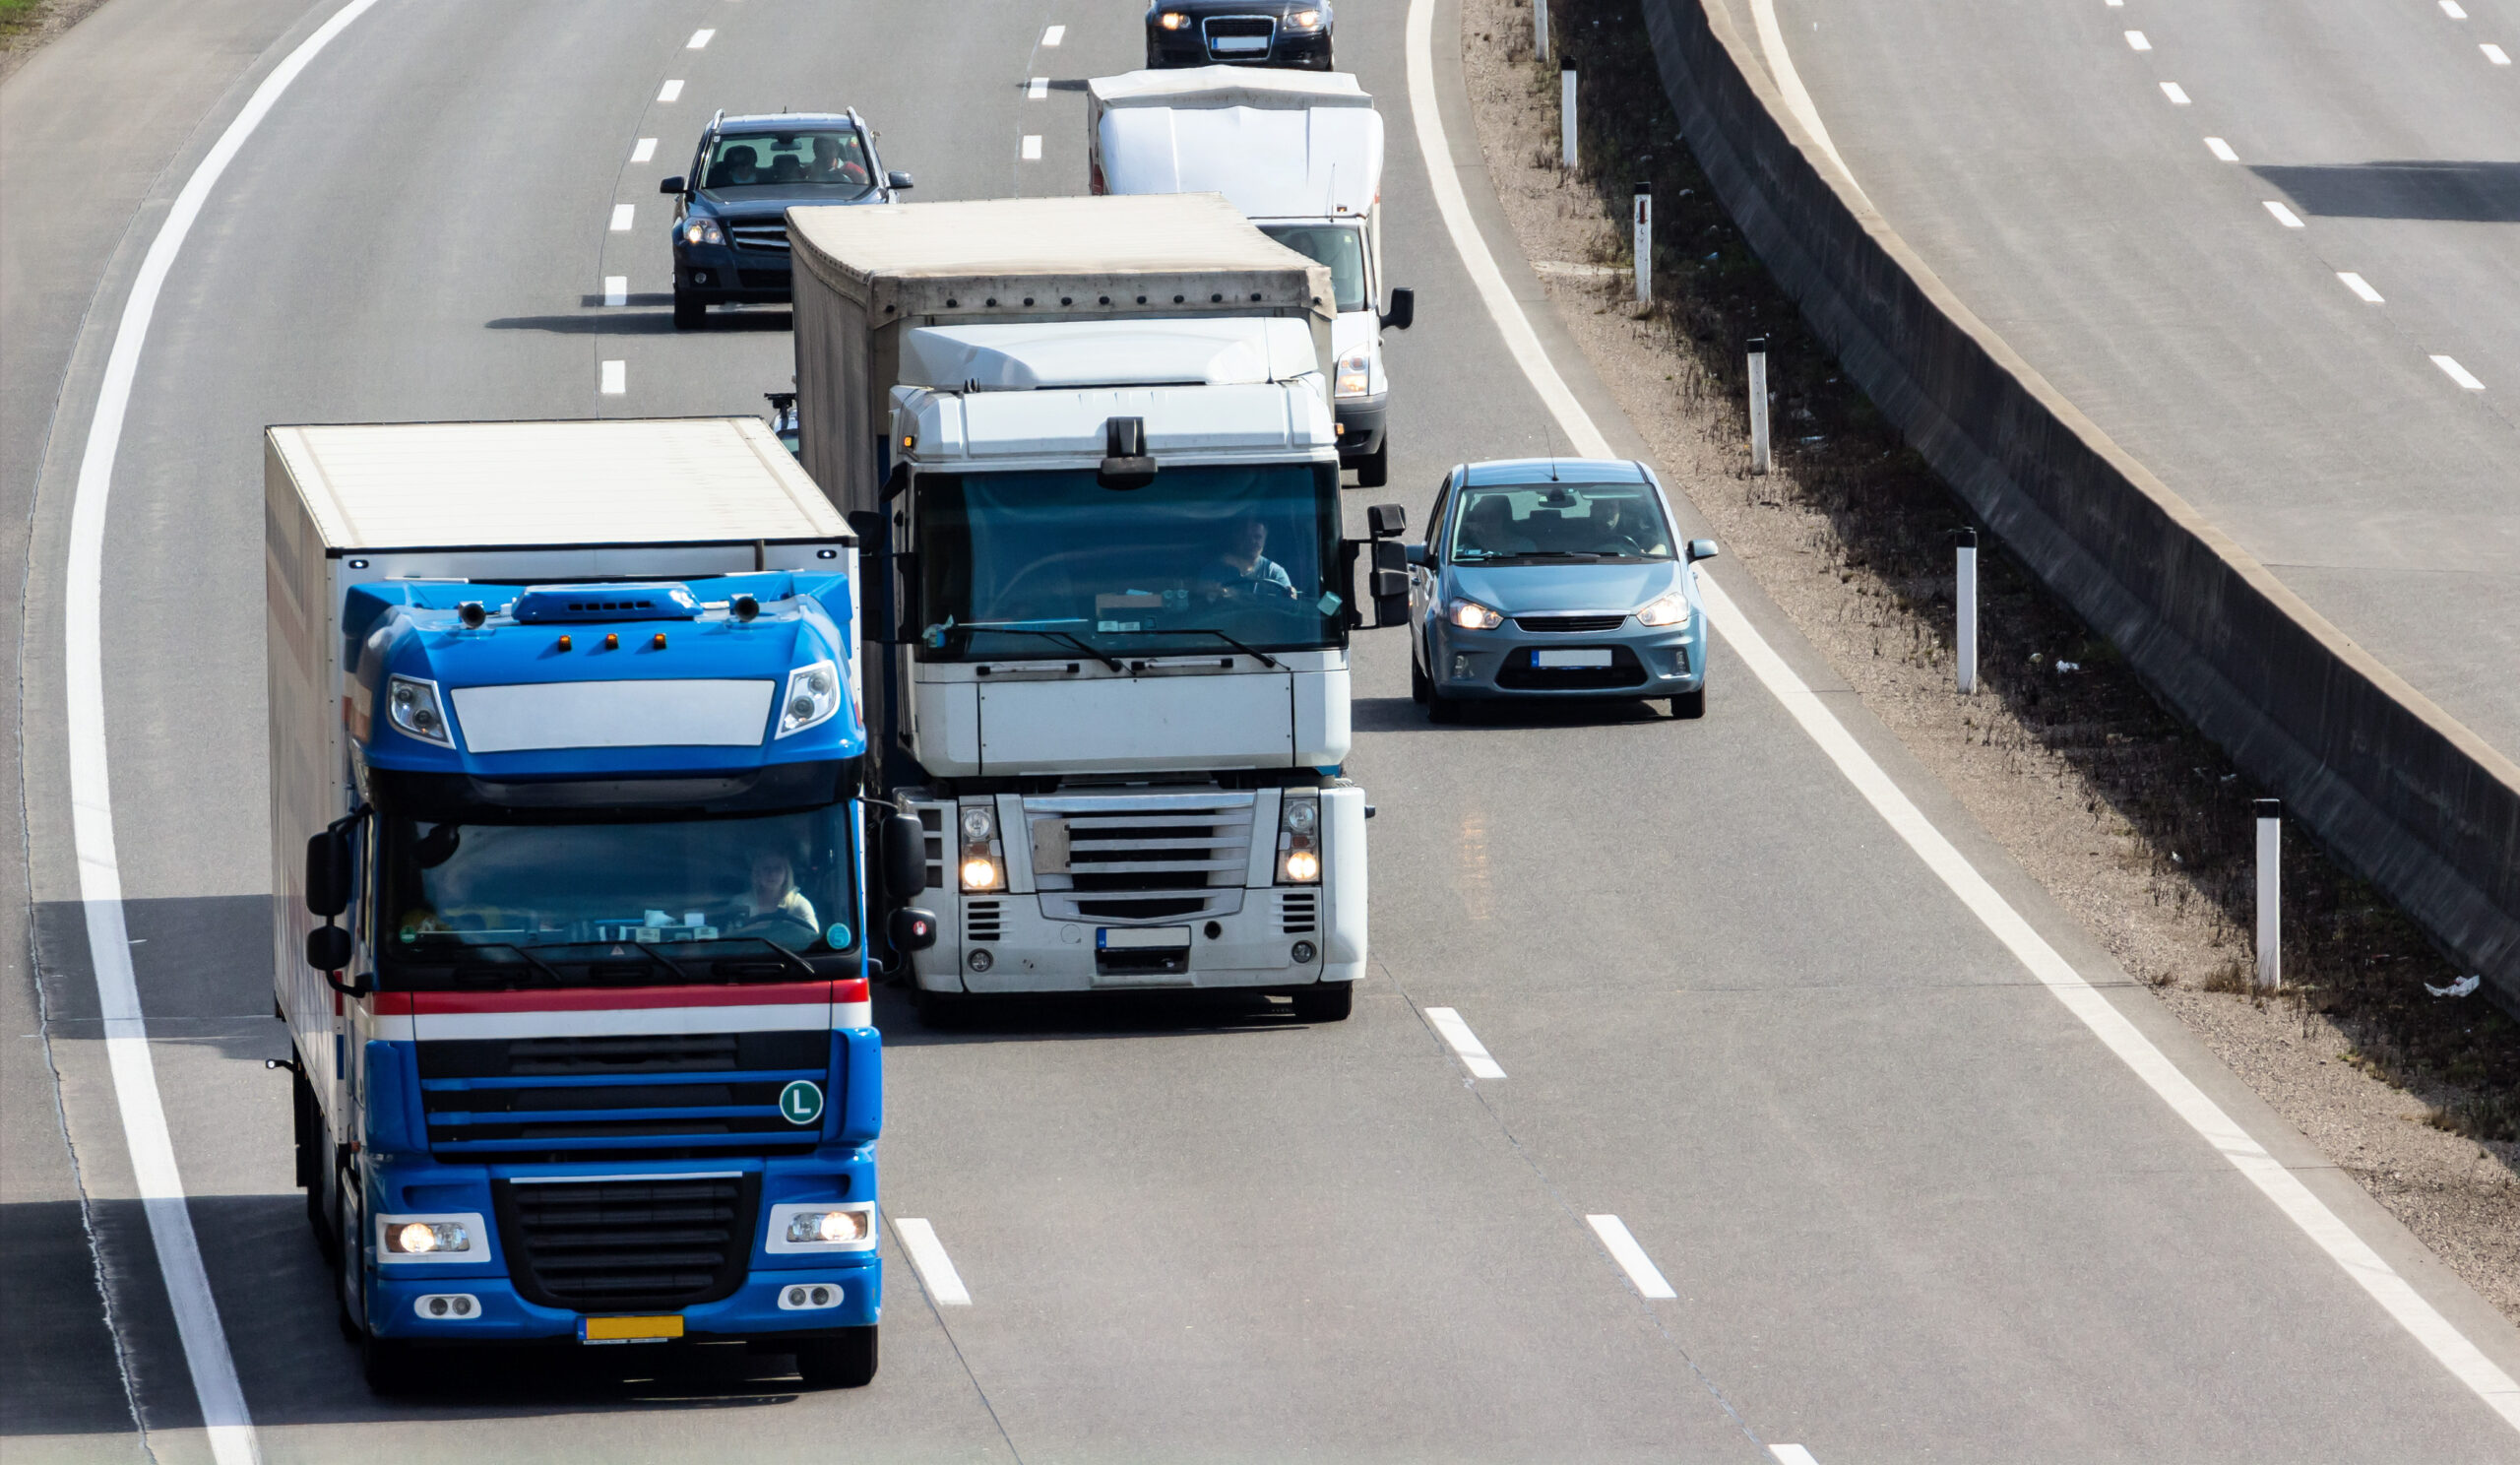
(801, 1102)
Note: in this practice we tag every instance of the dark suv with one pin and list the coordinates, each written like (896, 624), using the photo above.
(730, 229)
(1238, 33)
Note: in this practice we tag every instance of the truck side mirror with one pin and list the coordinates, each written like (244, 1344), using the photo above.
(670, 185)
(328, 874)
(328, 948)
(912, 929)
(897, 181)
(1388, 520)
(905, 856)
(1390, 583)
(1701, 550)
(1415, 553)
(1404, 309)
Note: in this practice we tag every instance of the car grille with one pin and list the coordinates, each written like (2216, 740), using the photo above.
(1139, 857)
(1518, 673)
(759, 233)
(627, 1245)
(600, 1098)
(1561, 624)
(1240, 37)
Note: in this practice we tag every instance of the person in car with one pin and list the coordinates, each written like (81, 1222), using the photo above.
(828, 166)
(1488, 527)
(739, 166)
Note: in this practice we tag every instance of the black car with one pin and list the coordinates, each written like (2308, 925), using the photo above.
(731, 230)
(1238, 33)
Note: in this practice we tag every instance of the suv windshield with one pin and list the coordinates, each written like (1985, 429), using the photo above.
(1560, 521)
(815, 158)
(1048, 564)
(1341, 247)
(510, 894)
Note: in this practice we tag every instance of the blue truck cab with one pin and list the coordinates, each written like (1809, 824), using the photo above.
(567, 783)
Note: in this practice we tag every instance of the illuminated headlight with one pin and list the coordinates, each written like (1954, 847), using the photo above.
(1471, 615)
(1299, 840)
(415, 710)
(425, 1238)
(1672, 610)
(814, 695)
(1303, 20)
(1355, 371)
(1172, 19)
(980, 869)
(700, 230)
(823, 1226)
(980, 873)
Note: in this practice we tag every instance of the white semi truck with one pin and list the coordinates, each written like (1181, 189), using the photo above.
(1088, 443)
(1300, 153)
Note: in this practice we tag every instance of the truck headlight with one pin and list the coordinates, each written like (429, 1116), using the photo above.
(1303, 20)
(827, 1228)
(425, 1238)
(1172, 19)
(1354, 372)
(814, 695)
(980, 870)
(1471, 615)
(1671, 609)
(414, 706)
(1299, 840)
(702, 229)
(820, 1227)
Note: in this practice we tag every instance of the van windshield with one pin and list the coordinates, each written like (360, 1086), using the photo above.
(1341, 247)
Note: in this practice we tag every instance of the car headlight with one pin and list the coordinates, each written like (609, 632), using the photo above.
(1355, 371)
(1471, 615)
(1299, 840)
(814, 695)
(1172, 19)
(980, 868)
(702, 229)
(415, 707)
(1303, 20)
(1671, 609)
(426, 1238)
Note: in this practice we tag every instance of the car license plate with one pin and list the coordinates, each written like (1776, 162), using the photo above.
(629, 1329)
(1141, 939)
(1599, 657)
(1223, 44)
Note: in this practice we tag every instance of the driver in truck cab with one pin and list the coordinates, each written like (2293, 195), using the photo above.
(1241, 569)
(774, 900)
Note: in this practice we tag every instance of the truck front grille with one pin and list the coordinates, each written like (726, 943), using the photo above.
(1129, 857)
(629, 1244)
(597, 1098)
(1298, 911)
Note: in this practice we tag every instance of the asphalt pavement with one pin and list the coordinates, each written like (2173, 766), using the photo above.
(1906, 1205)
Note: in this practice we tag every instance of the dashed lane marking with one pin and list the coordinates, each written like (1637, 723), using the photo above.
(671, 90)
(616, 289)
(2283, 216)
(615, 378)
(2495, 54)
(1036, 90)
(2458, 374)
(2221, 149)
(2451, 9)
(699, 40)
(936, 1268)
(1032, 147)
(1631, 1257)
(1795, 1455)
(2136, 39)
(2360, 287)
(2176, 93)
(1473, 1054)
(622, 213)
(644, 151)
(1054, 36)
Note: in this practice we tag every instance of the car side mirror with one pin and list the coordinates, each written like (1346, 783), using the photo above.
(328, 948)
(1388, 520)
(905, 856)
(1701, 550)
(1404, 309)
(912, 929)
(328, 873)
(670, 185)
(899, 181)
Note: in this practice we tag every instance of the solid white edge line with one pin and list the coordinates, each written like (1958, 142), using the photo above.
(646, 150)
(1795, 1455)
(1789, 85)
(2360, 287)
(1465, 1042)
(225, 1416)
(936, 1268)
(2176, 93)
(2221, 149)
(2283, 216)
(2458, 374)
(2447, 1345)
(1630, 1256)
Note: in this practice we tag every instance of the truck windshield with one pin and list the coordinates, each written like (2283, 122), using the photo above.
(826, 157)
(1510, 522)
(513, 895)
(1201, 553)
(1341, 247)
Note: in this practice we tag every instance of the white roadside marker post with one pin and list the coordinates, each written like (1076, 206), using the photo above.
(1965, 593)
(1566, 118)
(1540, 28)
(1644, 243)
(1759, 401)
(2270, 894)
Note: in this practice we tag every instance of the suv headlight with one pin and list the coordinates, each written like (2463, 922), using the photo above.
(980, 868)
(702, 229)
(1471, 615)
(415, 707)
(1671, 609)
(1172, 19)
(1354, 372)
(1299, 840)
(1304, 19)
(814, 695)
(409, 1237)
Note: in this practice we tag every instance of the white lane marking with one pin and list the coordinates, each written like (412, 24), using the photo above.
(2176, 93)
(622, 213)
(2221, 149)
(1795, 1455)
(936, 1268)
(1037, 90)
(616, 378)
(1473, 1054)
(699, 40)
(2494, 54)
(616, 289)
(225, 1416)
(644, 151)
(1032, 147)
(2458, 374)
(1054, 36)
(1631, 1257)
(2114, 4)
(2136, 39)
(1789, 85)
(2360, 287)
(2451, 9)
(2436, 1333)
(670, 91)
(2283, 216)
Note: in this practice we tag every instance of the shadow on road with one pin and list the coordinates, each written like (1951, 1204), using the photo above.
(2454, 192)
(1401, 714)
(1070, 1017)
(618, 322)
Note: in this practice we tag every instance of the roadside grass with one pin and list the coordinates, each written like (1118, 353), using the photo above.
(2064, 693)
(18, 17)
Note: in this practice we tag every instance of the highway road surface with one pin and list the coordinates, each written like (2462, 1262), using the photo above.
(1719, 1092)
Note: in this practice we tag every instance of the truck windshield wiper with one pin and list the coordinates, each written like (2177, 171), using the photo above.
(936, 634)
(789, 957)
(1263, 657)
(535, 963)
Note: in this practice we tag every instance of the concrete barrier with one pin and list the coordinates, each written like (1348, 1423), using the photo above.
(2397, 790)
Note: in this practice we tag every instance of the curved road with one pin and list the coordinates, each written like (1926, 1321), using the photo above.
(1906, 1201)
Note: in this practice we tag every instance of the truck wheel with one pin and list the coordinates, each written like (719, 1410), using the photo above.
(937, 1009)
(690, 312)
(1689, 705)
(391, 1366)
(1419, 687)
(1374, 469)
(845, 1361)
(1325, 1001)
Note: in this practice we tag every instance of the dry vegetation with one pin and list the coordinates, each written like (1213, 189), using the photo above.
(2132, 822)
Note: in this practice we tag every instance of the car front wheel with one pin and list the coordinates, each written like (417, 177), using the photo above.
(1689, 705)
(690, 312)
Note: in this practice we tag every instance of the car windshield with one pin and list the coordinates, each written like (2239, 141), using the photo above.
(1341, 247)
(684, 887)
(1049, 564)
(1560, 521)
(814, 157)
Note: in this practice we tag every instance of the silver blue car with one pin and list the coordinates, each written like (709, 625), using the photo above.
(1554, 578)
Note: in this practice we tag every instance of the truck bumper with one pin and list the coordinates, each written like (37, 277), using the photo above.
(402, 1308)
(1361, 422)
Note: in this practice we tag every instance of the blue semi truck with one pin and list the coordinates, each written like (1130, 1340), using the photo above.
(566, 775)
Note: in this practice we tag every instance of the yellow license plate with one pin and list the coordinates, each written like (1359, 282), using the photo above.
(628, 1329)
